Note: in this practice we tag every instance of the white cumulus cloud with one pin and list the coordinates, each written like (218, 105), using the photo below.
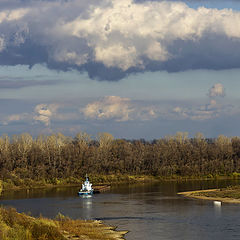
(119, 109)
(15, 118)
(110, 107)
(195, 113)
(217, 90)
(211, 110)
(111, 38)
(44, 113)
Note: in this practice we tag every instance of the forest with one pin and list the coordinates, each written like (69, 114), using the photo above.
(49, 158)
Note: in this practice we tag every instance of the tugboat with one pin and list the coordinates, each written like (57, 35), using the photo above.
(86, 188)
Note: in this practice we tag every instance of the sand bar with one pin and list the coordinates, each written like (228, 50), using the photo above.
(193, 194)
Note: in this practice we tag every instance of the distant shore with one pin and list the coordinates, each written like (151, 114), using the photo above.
(98, 181)
(102, 180)
(226, 195)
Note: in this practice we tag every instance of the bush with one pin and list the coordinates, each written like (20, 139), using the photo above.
(236, 175)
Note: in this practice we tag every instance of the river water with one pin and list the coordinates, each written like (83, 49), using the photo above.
(150, 211)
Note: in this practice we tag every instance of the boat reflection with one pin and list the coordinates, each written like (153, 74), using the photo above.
(85, 196)
(87, 206)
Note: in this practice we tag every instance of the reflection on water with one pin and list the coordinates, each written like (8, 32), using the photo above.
(217, 208)
(148, 211)
(87, 205)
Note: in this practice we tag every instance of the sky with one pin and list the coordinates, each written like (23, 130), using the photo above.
(132, 68)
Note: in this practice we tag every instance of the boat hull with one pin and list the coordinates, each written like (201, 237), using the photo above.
(85, 192)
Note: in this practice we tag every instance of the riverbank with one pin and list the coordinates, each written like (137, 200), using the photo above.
(228, 195)
(16, 183)
(97, 180)
(18, 226)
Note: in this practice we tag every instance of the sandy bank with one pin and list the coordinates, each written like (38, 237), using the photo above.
(196, 195)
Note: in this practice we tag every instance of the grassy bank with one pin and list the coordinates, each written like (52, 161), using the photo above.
(15, 182)
(230, 194)
(16, 226)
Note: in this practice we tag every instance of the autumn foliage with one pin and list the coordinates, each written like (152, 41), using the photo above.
(24, 159)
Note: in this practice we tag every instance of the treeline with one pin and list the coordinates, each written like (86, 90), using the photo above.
(59, 157)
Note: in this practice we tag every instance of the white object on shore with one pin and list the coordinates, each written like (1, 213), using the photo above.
(217, 203)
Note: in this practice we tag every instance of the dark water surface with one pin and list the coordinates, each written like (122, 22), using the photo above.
(149, 211)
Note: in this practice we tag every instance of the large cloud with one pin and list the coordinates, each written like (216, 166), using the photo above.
(112, 38)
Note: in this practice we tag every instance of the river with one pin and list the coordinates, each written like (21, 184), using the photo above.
(150, 211)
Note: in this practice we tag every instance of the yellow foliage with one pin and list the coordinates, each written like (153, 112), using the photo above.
(1, 186)
(16, 226)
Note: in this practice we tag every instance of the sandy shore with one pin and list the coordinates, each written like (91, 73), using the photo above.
(107, 231)
(193, 194)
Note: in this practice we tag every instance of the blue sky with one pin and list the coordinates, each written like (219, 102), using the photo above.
(135, 69)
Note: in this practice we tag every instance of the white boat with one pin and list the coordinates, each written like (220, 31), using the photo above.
(86, 188)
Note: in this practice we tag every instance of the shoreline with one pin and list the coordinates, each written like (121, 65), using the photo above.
(108, 180)
(16, 225)
(98, 181)
(194, 195)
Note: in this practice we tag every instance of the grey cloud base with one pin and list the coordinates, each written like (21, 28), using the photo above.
(111, 39)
